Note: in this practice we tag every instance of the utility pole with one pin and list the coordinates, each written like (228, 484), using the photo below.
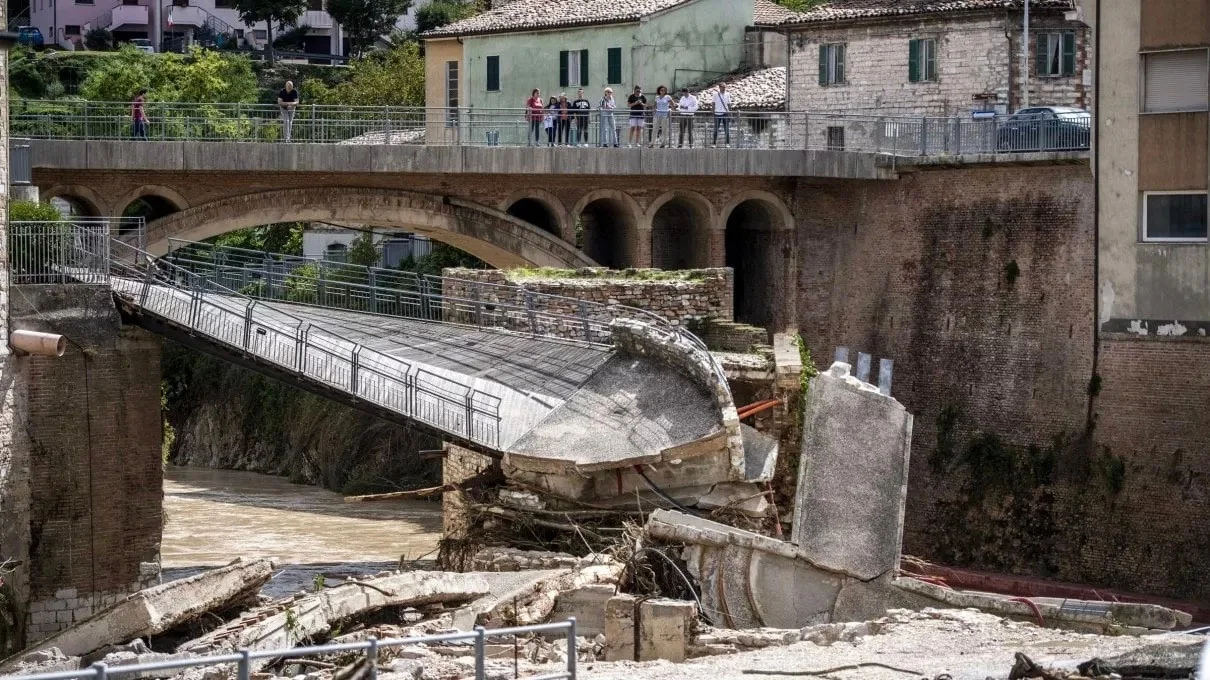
(1025, 57)
(157, 36)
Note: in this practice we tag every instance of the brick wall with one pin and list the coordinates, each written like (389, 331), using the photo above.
(974, 56)
(979, 283)
(459, 464)
(94, 430)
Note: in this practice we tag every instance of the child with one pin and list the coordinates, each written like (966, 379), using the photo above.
(548, 122)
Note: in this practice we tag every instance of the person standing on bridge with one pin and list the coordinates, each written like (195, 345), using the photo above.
(663, 112)
(287, 101)
(580, 108)
(563, 120)
(722, 113)
(686, 109)
(638, 116)
(138, 116)
(534, 110)
(609, 128)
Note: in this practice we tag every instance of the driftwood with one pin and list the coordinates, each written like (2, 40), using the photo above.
(468, 483)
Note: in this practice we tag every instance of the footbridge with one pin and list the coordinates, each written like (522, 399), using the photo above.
(550, 384)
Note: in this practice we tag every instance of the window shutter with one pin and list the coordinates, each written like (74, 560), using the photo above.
(930, 60)
(563, 68)
(1069, 54)
(493, 74)
(823, 64)
(913, 61)
(583, 67)
(1041, 54)
(840, 50)
(1175, 81)
(615, 65)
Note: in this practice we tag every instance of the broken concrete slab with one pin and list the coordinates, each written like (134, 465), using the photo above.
(665, 629)
(587, 605)
(743, 497)
(537, 603)
(284, 624)
(155, 610)
(620, 612)
(852, 476)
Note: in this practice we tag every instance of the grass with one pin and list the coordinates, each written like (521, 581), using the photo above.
(606, 274)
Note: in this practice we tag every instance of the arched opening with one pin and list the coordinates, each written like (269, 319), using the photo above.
(149, 207)
(74, 206)
(754, 241)
(536, 213)
(336, 252)
(606, 232)
(680, 235)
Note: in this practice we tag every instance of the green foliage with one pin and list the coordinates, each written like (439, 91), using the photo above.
(318, 582)
(302, 283)
(364, 21)
(283, 237)
(169, 433)
(388, 78)
(39, 249)
(273, 12)
(441, 12)
(199, 76)
(29, 211)
(799, 5)
(99, 40)
(442, 257)
(362, 250)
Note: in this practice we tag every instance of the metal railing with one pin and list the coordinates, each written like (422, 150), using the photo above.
(377, 290)
(67, 251)
(465, 126)
(192, 300)
(242, 659)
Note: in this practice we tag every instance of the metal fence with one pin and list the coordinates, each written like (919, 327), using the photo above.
(74, 250)
(242, 659)
(195, 302)
(466, 126)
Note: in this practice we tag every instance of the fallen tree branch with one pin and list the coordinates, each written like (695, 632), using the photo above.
(520, 516)
(837, 669)
(397, 495)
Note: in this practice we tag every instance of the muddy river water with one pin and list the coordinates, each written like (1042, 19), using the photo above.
(214, 516)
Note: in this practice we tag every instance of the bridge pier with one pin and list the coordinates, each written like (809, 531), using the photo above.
(82, 493)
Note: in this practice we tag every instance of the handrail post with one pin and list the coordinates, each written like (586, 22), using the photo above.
(373, 279)
(320, 288)
(353, 369)
(924, 135)
(244, 669)
(480, 653)
(248, 324)
(478, 306)
(100, 670)
(571, 648)
(372, 654)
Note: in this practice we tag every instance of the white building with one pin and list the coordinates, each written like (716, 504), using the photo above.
(332, 243)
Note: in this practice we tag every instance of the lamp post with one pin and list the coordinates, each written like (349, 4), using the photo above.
(1025, 57)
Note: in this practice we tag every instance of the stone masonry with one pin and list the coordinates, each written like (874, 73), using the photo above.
(92, 418)
(977, 54)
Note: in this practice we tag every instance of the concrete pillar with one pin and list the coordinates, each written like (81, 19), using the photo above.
(619, 628)
(665, 628)
(587, 604)
(852, 476)
(95, 483)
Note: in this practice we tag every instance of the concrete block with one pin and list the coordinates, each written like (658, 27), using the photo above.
(63, 616)
(619, 628)
(65, 594)
(665, 629)
(587, 604)
(852, 476)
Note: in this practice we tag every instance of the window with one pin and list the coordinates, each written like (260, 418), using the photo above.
(1175, 81)
(1055, 54)
(573, 68)
(71, 29)
(614, 76)
(493, 74)
(260, 34)
(451, 91)
(835, 138)
(922, 60)
(336, 252)
(831, 64)
(1174, 216)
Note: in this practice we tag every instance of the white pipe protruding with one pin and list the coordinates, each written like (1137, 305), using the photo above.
(42, 344)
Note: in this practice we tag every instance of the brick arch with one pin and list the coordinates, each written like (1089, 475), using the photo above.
(682, 225)
(96, 205)
(550, 201)
(758, 244)
(176, 200)
(493, 236)
(614, 230)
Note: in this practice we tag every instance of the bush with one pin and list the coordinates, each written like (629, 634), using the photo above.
(98, 40)
(28, 211)
(441, 12)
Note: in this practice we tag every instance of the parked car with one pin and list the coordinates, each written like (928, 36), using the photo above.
(143, 45)
(30, 36)
(1045, 128)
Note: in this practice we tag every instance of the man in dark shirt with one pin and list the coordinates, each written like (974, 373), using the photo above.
(287, 101)
(638, 116)
(580, 108)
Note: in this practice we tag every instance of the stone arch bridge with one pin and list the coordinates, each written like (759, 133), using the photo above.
(669, 209)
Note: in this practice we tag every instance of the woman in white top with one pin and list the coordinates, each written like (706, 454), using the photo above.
(663, 111)
(722, 113)
(609, 129)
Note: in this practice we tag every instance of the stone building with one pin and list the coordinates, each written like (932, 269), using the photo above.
(931, 58)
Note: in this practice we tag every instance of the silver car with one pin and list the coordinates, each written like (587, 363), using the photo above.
(143, 45)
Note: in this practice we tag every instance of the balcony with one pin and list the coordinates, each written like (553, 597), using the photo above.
(316, 19)
(129, 15)
(187, 16)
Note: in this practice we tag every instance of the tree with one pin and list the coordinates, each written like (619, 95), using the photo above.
(200, 76)
(392, 77)
(364, 21)
(280, 12)
(362, 250)
(98, 40)
(441, 12)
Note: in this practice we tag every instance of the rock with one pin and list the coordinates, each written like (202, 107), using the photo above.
(411, 668)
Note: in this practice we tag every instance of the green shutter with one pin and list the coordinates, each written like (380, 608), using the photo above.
(840, 50)
(493, 74)
(1041, 54)
(563, 68)
(823, 64)
(615, 66)
(1069, 54)
(913, 61)
(583, 67)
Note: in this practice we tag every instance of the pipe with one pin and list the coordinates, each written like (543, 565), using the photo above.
(1025, 56)
(42, 344)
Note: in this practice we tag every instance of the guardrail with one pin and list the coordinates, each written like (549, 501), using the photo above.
(242, 659)
(75, 250)
(468, 126)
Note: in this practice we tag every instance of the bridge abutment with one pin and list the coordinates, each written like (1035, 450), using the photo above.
(85, 470)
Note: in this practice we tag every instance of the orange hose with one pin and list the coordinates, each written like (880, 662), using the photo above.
(759, 407)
